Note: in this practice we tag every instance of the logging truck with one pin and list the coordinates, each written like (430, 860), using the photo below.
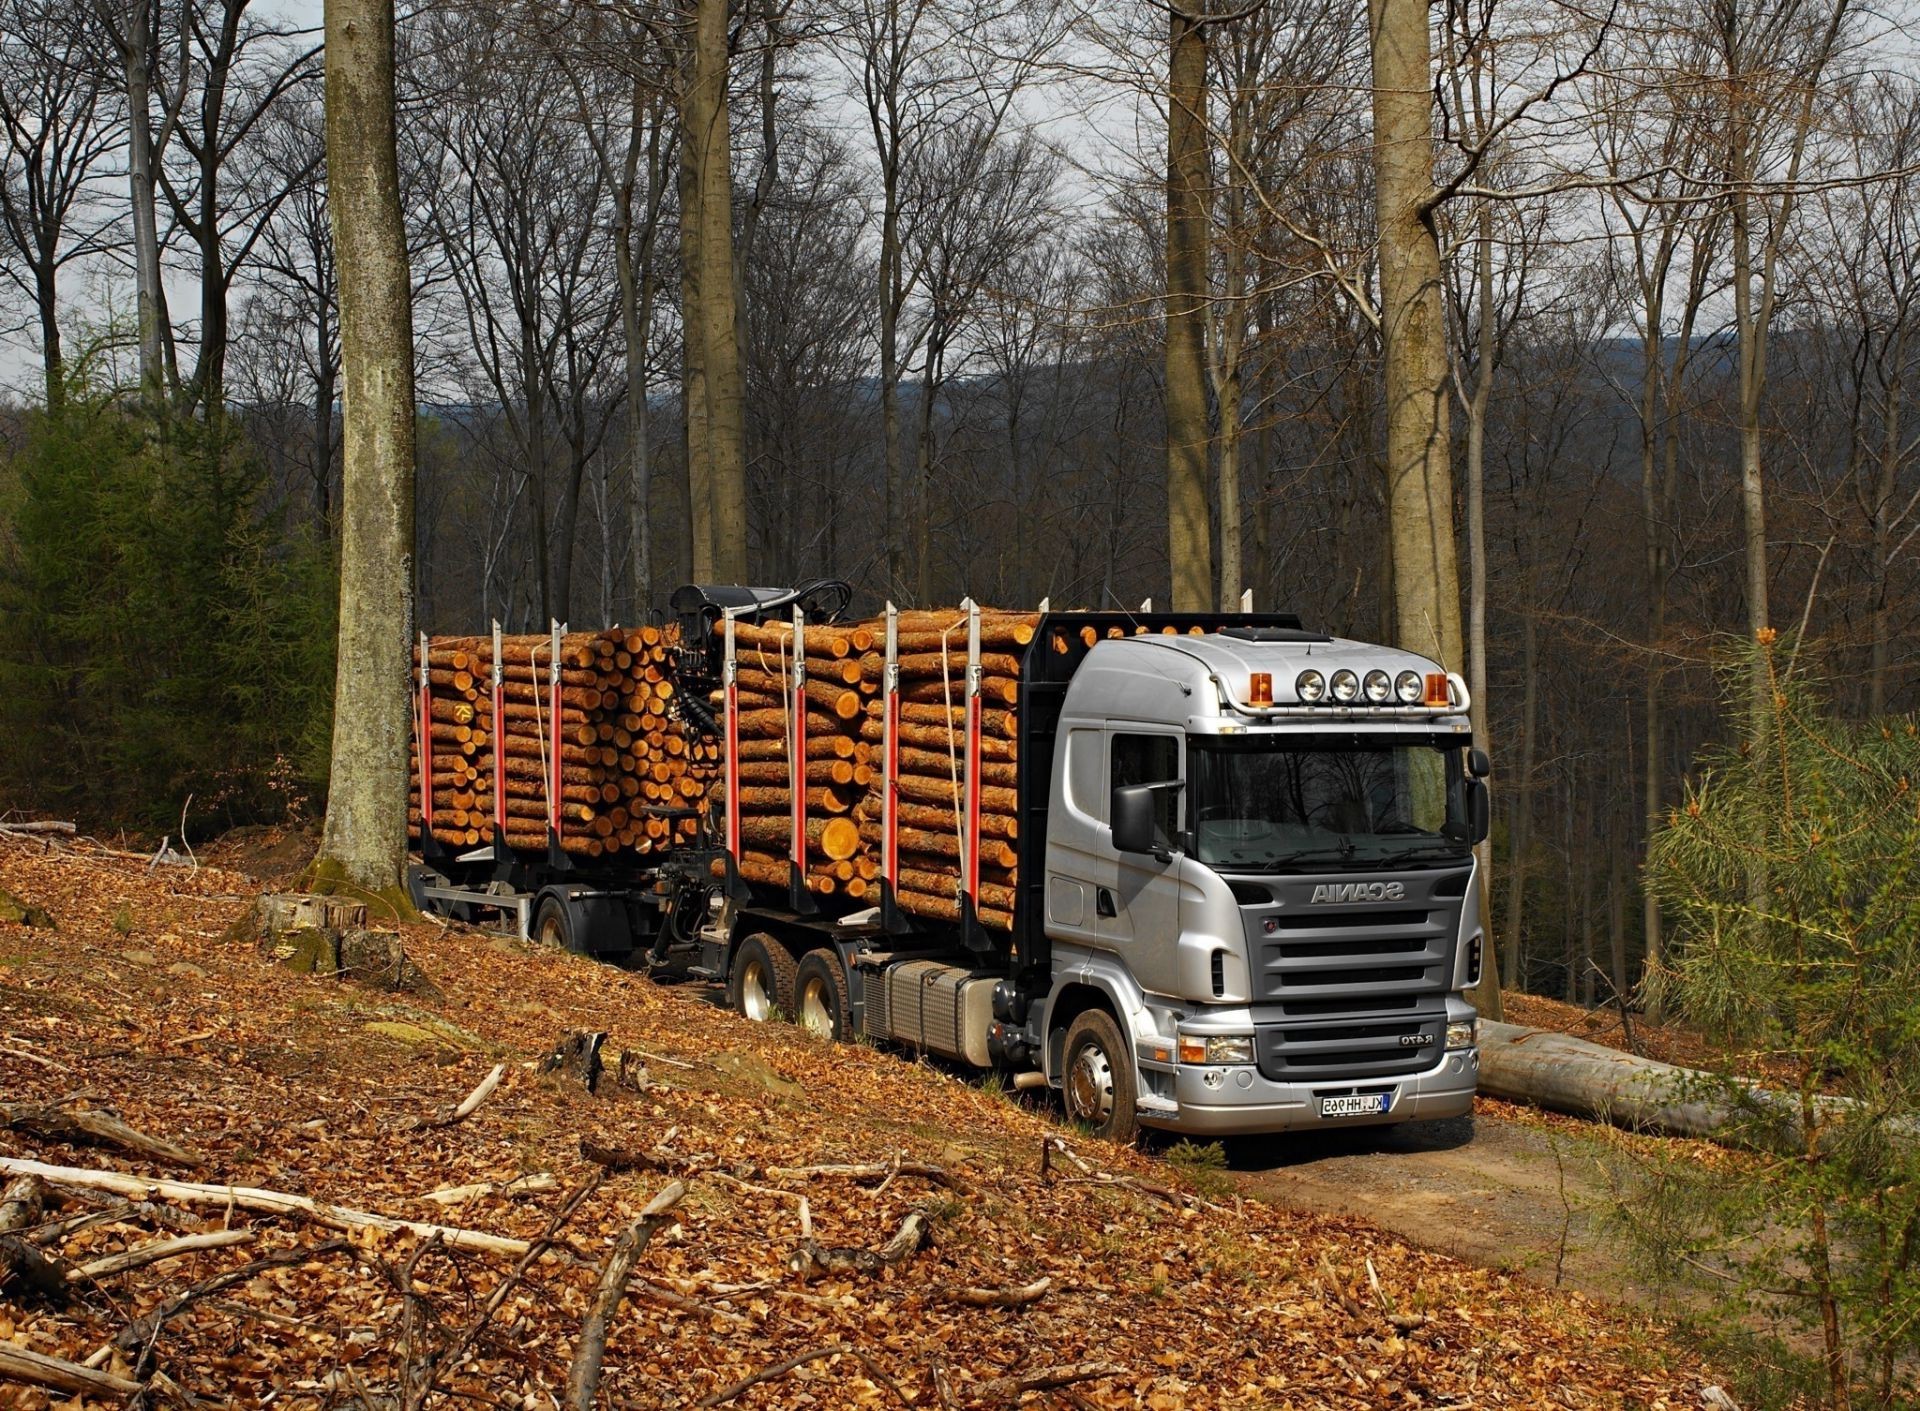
(1211, 874)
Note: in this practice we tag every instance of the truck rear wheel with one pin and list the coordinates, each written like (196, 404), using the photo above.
(553, 925)
(761, 981)
(1097, 1079)
(820, 995)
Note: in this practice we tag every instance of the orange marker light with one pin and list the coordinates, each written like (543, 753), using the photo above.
(1260, 688)
(1438, 692)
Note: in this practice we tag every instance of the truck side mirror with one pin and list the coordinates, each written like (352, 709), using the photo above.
(1478, 765)
(1132, 812)
(1479, 812)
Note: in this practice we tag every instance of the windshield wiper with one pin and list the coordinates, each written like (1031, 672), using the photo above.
(1448, 851)
(1339, 852)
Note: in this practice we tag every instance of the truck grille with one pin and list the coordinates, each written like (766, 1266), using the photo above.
(1362, 986)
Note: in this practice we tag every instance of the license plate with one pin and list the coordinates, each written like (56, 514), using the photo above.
(1355, 1105)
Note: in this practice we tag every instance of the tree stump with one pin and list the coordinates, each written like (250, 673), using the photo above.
(322, 935)
(24, 913)
(577, 1056)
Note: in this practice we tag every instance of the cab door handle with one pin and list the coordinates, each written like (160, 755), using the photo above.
(1103, 903)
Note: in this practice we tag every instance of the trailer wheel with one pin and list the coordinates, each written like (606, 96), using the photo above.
(1097, 1079)
(553, 925)
(820, 995)
(761, 981)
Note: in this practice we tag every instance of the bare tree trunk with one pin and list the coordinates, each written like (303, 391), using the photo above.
(364, 842)
(1487, 997)
(136, 43)
(323, 395)
(635, 270)
(923, 472)
(1426, 582)
(1520, 814)
(726, 414)
(1189, 553)
(1230, 328)
(1882, 530)
(52, 361)
(695, 415)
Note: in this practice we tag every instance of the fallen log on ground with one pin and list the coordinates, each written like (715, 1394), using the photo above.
(66, 1124)
(17, 1364)
(256, 1199)
(583, 1375)
(155, 1252)
(22, 1204)
(465, 1108)
(1565, 1074)
(811, 1260)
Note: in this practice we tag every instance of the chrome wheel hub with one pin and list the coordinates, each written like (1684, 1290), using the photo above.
(1090, 1085)
(816, 1014)
(756, 1001)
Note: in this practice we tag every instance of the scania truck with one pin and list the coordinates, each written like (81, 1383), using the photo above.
(1246, 894)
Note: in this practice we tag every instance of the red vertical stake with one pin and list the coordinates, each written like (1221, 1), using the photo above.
(890, 791)
(554, 810)
(798, 771)
(495, 671)
(729, 675)
(973, 753)
(426, 745)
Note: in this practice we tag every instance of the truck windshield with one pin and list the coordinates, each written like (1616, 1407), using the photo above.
(1262, 804)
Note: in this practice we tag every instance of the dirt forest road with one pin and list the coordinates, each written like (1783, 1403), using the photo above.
(1525, 1197)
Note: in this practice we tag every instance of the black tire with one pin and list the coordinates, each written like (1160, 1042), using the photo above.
(820, 1004)
(553, 927)
(1097, 1077)
(761, 980)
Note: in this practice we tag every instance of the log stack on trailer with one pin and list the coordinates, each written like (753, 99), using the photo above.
(820, 841)
(575, 736)
(954, 754)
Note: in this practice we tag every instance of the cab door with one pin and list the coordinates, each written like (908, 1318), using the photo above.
(1138, 916)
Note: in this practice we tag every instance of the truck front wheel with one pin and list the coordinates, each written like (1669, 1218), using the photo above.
(1097, 1078)
(761, 981)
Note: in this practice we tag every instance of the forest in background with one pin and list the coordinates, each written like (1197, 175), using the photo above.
(1680, 246)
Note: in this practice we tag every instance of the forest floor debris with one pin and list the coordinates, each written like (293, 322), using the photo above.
(1004, 1287)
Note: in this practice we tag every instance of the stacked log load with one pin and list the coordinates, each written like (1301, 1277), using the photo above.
(929, 796)
(633, 775)
(839, 763)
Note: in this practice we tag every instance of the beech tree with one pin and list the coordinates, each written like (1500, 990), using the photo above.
(364, 842)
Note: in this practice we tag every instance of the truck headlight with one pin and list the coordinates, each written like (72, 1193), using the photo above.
(1460, 1035)
(1216, 1048)
(1345, 685)
(1310, 686)
(1409, 687)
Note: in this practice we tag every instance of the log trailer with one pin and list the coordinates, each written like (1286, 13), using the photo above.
(1245, 898)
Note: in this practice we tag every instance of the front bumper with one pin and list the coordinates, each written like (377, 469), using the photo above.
(1243, 1103)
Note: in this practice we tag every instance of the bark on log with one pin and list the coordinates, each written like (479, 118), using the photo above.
(155, 1252)
(17, 1364)
(924, 788)
(63, 1124)
(838, 838)
(811, 1259)
(1005, 1390)
(466, 1106)
(1566, 1074)
(254, 1198)
(583, 1374)
(22, 1204)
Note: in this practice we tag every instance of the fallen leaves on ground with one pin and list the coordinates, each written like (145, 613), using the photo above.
(317, 1087)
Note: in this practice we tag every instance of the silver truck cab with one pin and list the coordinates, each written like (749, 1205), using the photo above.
(1260, 894)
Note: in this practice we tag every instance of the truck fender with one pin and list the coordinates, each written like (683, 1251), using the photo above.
(1093, 980)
